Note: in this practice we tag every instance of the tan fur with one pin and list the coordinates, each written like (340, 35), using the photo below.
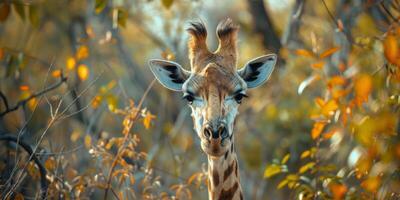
(214, 78)
(226, 54)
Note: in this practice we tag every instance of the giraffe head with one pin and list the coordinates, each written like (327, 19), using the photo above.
(214, 88)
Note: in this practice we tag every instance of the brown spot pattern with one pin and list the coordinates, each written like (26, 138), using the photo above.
(228, 194)
(236, 170)
(241, 196)
(215, 178)
(229, 170)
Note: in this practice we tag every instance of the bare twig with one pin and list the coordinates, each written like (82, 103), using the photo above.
(344, 31)
(42, 170)
(388, 12)
(32, 96)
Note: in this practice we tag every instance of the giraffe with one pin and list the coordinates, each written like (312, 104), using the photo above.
(214, 89)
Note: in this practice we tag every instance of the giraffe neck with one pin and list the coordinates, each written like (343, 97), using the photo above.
(224, 179)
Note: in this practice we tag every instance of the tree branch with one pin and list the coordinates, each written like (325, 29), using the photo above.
(32, 96)
(263, 25)
(42, 170)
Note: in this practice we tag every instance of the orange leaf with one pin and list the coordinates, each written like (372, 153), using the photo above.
(82, 52)
(329, 108)
(304, 52)
(329, 134)
(24, 88)
(329, 52)
(338, 190)
(56, 73)
(83, 72)
(391, 48)
(318, 65)
(148, 117)
(362, 87)
(371, 184)
(317, 129)
(336, 80)
(319, 101)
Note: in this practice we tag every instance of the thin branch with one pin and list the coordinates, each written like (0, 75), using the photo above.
(4, 98)
(120, 150)
(344, 31)
(32, 96)
(42, 170)
(388, 12)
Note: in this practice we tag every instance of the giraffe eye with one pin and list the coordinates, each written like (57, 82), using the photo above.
(189, 98)
(239, 97)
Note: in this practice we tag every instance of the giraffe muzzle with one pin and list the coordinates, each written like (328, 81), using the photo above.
(215, 132)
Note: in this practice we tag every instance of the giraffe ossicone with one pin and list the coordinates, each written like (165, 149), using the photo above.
(214, 89)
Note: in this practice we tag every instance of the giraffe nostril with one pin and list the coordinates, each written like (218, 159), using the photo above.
(223, 132)
(207, 132)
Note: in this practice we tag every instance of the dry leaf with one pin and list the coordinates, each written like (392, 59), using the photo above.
(304, 52)
(329, 52)
(83, 72)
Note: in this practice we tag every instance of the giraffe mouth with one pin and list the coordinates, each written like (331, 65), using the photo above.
(215, 148)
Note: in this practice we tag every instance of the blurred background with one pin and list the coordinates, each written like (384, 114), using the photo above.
(76, 88)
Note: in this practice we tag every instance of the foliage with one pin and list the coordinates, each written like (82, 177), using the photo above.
(75, 86)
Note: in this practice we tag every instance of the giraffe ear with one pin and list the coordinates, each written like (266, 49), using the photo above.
(258, 70)
(170, 74)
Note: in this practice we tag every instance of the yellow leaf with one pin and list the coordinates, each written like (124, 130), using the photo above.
(272, 170)
(82, 52)
(32, 103)
(317, 129)
(329, 52)
(88, 141)
(56, 73)
(319, 101)
(304, 52)
(282, 184)
(147, 119)
(75, 136)
(286, 158)
(329, 108)
(83, 72)
(305, 154)
(71, 63)
(112, 102)
(306, 167)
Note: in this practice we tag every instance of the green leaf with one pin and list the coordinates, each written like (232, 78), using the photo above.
(34, 16)
(272, 170)
(167, 3)
(285, 159)
(4, 11)
(20, 9)
(100, 5)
